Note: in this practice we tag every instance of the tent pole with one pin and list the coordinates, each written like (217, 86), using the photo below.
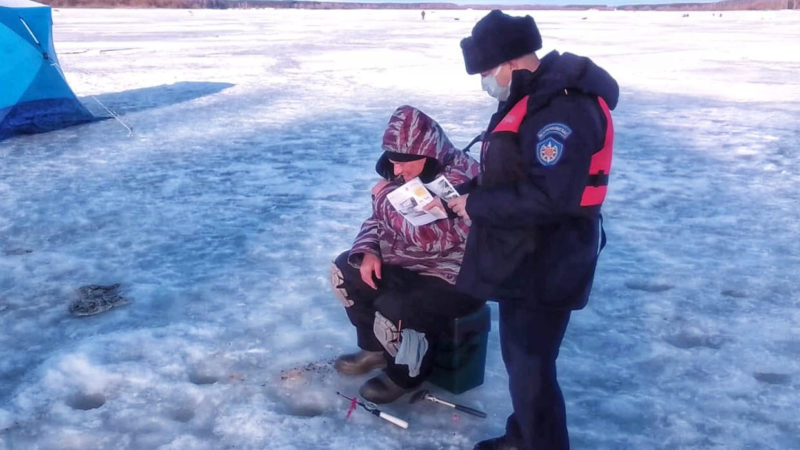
(35, 40)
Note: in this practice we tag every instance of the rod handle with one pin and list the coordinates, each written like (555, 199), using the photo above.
(472, 411)
(395, 420)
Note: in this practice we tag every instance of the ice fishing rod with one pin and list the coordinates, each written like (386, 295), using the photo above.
(373, 409)
(425, 395)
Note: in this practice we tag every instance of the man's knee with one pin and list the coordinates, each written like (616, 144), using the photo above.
(339, 268)
(387, 333)
(341, 260)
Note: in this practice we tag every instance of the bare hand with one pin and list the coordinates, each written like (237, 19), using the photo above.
(436, 204)
(371, 264)
(379, 186)
(459, 206)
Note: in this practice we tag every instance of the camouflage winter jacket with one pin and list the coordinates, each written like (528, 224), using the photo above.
(435, 249)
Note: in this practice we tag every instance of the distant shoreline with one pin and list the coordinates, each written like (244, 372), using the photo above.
(726, 5)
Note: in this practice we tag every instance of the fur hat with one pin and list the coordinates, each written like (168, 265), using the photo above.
(498, 38)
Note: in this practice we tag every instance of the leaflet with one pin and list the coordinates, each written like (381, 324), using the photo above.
(410, 199)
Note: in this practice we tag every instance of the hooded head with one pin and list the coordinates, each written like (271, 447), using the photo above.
(498, 38)
(413, 136)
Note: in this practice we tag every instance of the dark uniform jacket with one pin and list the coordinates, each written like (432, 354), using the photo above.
(530, 238)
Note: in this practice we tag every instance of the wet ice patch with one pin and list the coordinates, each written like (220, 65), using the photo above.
(182, 414)
(648, 286)
(17, 251)
(772, 378)
(694, 337)
(734, 293)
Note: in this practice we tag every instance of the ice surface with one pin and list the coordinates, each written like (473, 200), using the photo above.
(254, 139)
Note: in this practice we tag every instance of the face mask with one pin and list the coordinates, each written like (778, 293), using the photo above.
(490, 85)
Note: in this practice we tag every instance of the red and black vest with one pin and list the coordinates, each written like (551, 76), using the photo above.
(599, 168)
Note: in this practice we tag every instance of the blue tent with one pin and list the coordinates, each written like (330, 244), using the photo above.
(34, 96)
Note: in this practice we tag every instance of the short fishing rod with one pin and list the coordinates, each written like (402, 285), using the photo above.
(373, 409)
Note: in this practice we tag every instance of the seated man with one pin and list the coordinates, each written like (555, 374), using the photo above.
(397, 282)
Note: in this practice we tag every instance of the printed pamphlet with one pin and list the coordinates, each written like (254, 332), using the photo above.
(410, 199)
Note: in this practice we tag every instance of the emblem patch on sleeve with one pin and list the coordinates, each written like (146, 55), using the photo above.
(551, 143)
(549, 151)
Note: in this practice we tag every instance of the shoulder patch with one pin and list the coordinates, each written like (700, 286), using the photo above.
(549, 151)
(551, 143)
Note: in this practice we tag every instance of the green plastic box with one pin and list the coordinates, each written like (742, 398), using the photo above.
(460, 360)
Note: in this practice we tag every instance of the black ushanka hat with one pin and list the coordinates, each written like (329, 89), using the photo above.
(498, 38)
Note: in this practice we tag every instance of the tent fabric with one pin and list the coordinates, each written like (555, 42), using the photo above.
(35, 96)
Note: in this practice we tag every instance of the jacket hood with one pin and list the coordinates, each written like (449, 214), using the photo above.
(566, 71)
(413, 132)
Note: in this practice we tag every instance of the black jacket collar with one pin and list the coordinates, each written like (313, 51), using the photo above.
(556, 73)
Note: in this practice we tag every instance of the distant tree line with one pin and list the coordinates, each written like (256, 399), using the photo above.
(725, 5)
(176, 4)
(225, 4)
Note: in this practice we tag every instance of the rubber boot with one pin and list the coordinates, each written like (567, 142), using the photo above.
(382, 389)
(359, 363)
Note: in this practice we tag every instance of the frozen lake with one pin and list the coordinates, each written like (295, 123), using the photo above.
(255, 134)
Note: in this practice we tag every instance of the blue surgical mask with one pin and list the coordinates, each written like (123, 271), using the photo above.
(490, 85)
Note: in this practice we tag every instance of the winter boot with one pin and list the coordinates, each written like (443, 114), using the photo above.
(359, 363)
(498, 443)
(382, 389)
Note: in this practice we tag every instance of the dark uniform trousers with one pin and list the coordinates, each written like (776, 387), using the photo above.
(423, 303)
(530, 339)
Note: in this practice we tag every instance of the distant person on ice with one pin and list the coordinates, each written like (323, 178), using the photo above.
(398, 279)
(535, 209)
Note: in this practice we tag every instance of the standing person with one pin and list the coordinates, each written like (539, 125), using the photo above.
(535, 209)
(398, 279)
